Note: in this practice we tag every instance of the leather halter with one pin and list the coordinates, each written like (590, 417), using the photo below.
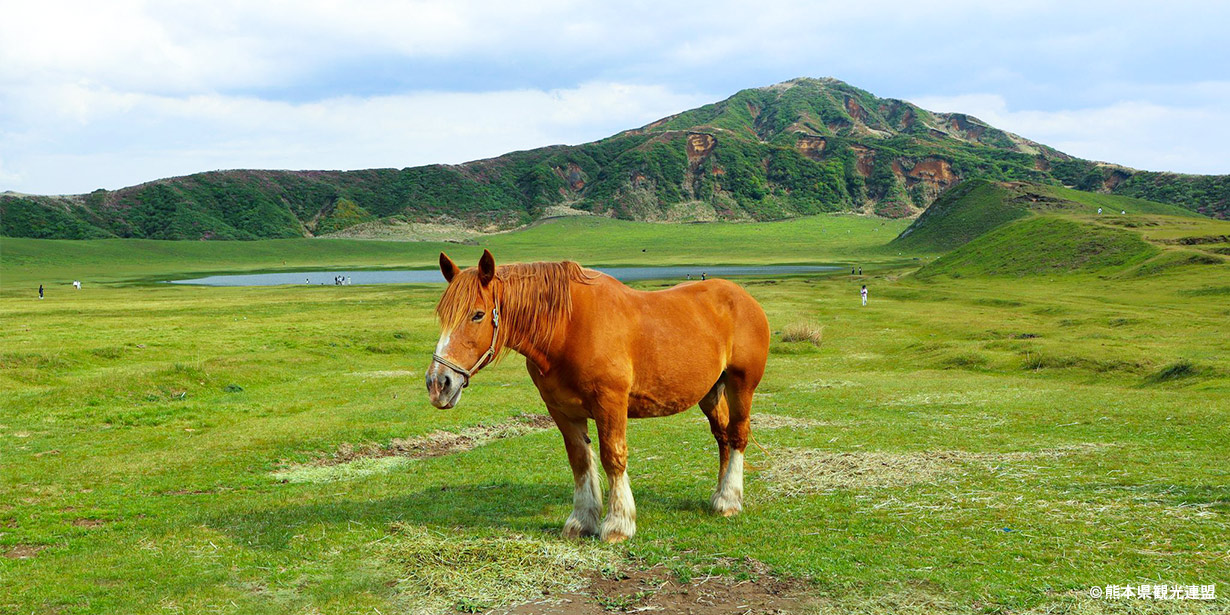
(483, 360)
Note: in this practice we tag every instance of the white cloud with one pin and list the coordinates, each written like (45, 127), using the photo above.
(1143, 135)
(139, 137)
(112, 93)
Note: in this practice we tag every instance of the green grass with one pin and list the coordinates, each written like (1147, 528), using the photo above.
(975, 207)
(992, 446)
(590, 240)
(1041, 245)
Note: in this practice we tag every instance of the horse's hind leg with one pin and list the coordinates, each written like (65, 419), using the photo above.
(728, 500)
(713, 404)
(587, 496)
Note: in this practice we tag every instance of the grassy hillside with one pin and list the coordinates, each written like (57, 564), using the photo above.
(1063, 242)
(590, 240)
(797, 148)
(976, 206)
(1043, 245)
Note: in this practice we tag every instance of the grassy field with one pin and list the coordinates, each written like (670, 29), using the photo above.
(972, 444)
(590, 240)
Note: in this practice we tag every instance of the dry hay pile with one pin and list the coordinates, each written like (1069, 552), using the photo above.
(799, 471)
(350, 461)
(441, 571)
(778, 421)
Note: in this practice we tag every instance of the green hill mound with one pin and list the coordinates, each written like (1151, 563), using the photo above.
(1041, 245)
(796, 148)
(975, 207)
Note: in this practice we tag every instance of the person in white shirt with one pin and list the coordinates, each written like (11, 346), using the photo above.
(864, 293)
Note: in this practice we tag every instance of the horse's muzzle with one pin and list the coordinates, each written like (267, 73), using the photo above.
(444, 386)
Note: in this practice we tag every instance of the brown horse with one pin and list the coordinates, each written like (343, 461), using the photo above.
(599, 350)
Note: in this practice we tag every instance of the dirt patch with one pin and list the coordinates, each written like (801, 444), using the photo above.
(387, 373)
(801, 471)
(439, 443)
(657, 590)
(355, 461)
(85, 522)
(23, 551)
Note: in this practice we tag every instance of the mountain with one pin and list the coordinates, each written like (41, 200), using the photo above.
(800, 147)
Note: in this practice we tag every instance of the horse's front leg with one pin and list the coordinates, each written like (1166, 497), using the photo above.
(611, 418)
(587, 496)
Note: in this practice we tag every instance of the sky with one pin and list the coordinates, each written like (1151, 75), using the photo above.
(110, 94)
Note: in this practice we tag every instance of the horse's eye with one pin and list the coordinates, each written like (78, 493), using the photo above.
(478, 316)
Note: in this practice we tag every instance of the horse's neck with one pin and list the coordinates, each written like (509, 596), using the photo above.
(540, 352)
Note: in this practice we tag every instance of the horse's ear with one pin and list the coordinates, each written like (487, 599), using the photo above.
(448, 267)
(486, 267)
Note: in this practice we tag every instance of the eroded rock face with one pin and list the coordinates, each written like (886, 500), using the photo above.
(1113, 180)
(929, 170)
(573, 176)
(699, 145)
(855, 110)
(963, 126)
(866, 159)
(933, 174)
(811, 146)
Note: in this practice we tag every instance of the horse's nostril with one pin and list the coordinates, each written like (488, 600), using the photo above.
(447, 382)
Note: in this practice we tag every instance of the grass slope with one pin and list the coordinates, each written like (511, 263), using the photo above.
(980, 446)
(976, 206)
(1043, 245)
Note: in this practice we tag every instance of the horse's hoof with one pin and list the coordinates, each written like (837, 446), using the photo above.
(617, 530)
(725, 506)
(574, 530)
(614, 537)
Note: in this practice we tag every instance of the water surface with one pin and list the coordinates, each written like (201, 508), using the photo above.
(420, 276)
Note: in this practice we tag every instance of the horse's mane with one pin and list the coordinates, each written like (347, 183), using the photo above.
(534, 300)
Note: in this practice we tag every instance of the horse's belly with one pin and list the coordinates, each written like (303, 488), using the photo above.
(643, 407)
(672, 391)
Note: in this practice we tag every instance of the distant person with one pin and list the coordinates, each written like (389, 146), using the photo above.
(864, 293)
(307, 280)
(860, 271)
(852, 271)
(703, 276)
(1124, 212)
(1099, 211)
(40, 291)
(689, 276)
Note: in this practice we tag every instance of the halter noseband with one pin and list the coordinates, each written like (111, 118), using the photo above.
(482, 361)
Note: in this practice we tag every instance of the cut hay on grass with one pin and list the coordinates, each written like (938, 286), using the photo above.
(802, 471)
(350, 461)
(442, 571)
(778, 421)
(803, 332)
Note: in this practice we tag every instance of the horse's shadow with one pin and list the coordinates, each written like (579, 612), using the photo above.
(519, 507)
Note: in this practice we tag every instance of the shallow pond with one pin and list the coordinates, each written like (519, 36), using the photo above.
(419, 276)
